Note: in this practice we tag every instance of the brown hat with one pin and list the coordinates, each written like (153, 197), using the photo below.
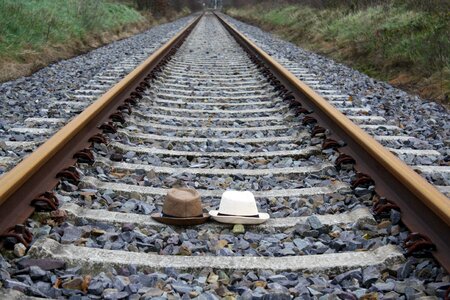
(182, 207)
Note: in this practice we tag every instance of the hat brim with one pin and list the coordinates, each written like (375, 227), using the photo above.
(263, 217)
(180, 221)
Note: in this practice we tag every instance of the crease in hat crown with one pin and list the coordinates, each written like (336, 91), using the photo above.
(182, 203)
(238, 203)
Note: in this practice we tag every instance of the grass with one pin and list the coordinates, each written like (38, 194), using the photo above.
(408, 47)
(31, 25)
(34, 33)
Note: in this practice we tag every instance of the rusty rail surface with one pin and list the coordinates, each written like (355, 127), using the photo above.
(27, 184)
(424, 209)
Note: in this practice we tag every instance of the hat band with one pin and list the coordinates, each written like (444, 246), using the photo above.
(170, 216)
(247, 216)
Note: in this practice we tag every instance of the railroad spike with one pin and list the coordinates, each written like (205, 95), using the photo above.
(309, 120)
(418, 245)
(289, 97)
(331, 144)
(362, 180)
(70, 174)
(304, 111)
(294, 104)
(344, 159)
(383, 207)
(117, 117)
(125, 107)
(275, 81)
(108, 127)
(135, 95)
(144, 85)
(150, 77)
(139, 89)
(131, 101)
(98, 138)
(85, 156)
(20, 233)
(45, 202)
(318, 130)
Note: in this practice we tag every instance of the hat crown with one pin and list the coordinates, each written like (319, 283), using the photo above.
(182, 203)
(238, 203)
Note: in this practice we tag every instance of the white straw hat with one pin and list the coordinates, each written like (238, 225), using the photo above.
(238, 208)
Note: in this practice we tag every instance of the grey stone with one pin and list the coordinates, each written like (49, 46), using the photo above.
(115, 295)
(404, 271)
(4, 264)
(16, 285)
(252, 276)
(71, 234)
(36, 272)
(277, 278)
(276, 296)
(384, 287)
(301, 243)
(120, 282)
(252, 237)
(433, 287)
(4, 275)
(181, 288)
(314, 222)
(391, 296)
(44, 287)
(152, 292)
(370, 275)
(352, 274)
(148, 280)
(95, 287)
(395, 217)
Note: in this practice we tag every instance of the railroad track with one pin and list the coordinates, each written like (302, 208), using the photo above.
(212, 111)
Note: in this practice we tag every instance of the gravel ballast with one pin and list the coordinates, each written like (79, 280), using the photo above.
(428, 121)
(32, 96)
(51, 268)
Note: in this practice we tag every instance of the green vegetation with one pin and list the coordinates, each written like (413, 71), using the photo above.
(409, 46)
(34, 33)
(32, 25)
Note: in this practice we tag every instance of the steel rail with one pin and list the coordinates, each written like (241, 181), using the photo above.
(37, 173)
(424, 208)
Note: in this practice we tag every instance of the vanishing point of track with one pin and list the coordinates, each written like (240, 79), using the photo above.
(204, 112)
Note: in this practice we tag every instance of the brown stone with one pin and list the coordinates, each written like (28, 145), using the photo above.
(73, 284)
(221, 291)
(193, 294)
(335, 234)
(259, 283)
(370, 296)
(184, 251)
(86, 280)
(213, 278)
(58, 215)
(384, 224)
(97, 232)
(221, 244)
